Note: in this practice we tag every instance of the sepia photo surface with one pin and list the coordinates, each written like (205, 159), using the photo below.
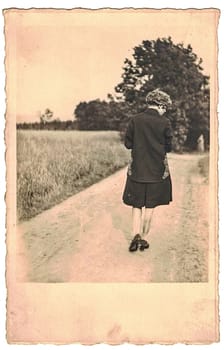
(74, 80)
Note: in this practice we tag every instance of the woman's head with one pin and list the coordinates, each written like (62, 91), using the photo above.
(159, 100)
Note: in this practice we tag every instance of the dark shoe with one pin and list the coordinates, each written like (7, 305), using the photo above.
(134, 243)
(143, 244)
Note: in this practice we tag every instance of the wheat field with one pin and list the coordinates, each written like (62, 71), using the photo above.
(53, 165)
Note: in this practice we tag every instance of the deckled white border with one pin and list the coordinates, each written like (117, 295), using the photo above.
(113, 4)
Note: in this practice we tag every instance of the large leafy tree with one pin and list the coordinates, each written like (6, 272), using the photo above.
(176, 70)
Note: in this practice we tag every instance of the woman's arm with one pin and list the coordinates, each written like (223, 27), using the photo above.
(168, 137)
(128, 141)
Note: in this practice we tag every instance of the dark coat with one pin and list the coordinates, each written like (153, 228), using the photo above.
(149, 136)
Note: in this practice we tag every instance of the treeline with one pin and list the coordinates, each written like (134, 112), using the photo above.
(50, 125)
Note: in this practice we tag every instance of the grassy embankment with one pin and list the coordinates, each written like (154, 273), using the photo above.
(53, 165)
(203, 166)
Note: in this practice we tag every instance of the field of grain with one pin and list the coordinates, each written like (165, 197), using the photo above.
(53, 165)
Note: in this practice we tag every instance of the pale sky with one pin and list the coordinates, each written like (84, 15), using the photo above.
(55, 59)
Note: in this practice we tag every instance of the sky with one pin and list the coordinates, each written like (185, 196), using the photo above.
(57, 59)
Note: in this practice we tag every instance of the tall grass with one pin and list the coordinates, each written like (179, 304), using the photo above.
(52, 165)
(203, 165)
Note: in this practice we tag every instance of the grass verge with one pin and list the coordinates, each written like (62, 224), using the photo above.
(203, 165)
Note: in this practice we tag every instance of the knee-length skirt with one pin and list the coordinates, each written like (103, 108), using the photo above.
(149, 195)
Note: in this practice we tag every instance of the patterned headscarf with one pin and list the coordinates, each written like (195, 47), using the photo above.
(159, 97)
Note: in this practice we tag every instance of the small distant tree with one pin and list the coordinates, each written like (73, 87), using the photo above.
(47, 116)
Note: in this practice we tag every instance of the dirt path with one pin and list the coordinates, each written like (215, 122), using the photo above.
(86, 238)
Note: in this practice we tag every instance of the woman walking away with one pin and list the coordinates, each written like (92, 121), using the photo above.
(148, 181)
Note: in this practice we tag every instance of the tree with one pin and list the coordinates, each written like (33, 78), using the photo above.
(89, 115)
(176, 70)
(47, 116)
(97, 115)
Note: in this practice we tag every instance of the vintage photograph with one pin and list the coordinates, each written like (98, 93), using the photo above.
(112, 146)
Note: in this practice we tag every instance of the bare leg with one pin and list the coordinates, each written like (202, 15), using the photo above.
(136, 220)
(147, 221)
